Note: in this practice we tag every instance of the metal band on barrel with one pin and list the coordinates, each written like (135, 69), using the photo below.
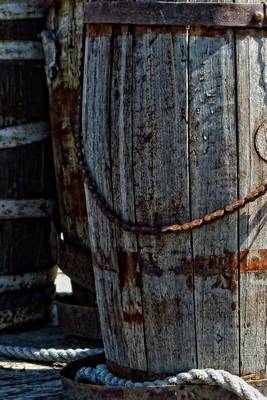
(21, 50)
(10, 283)
(25, 208)
(20, 135)
(19, 10)
(216, 15)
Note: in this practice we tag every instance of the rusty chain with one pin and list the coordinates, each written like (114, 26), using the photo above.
(127, 226)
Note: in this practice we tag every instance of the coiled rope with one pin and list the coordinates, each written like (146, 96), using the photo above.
(229, 382)
(50, 355)
(101, 374)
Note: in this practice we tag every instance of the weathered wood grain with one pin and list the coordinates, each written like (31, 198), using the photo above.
(121, 142)
(66, 19)
(169, 119)
(25, 381)
(31, 381)
(96, 131)
(213, 182)
(251, 47)
(160, 170)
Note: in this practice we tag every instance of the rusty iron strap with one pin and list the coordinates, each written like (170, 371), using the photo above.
(127, 226)
(216, 15)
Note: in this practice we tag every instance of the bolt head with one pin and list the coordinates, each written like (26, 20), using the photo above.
(258, 16)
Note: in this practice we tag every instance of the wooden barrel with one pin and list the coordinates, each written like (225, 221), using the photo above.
(174, 126)
(27, 181)
(65, 22)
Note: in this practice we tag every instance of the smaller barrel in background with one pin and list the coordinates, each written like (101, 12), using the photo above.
(63, 44)
(27, 187)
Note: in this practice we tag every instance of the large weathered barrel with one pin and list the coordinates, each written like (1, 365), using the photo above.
(27, 177)
(174, 126)
(64, 67)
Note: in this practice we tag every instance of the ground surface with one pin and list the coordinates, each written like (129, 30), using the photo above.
(29, 380)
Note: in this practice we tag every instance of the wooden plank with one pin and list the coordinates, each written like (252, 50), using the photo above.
(160, 162)
(123, 194)
(175, 14)
(65, 18)
(28, 380)
(252, 110)
(213, 181)
(96, 131)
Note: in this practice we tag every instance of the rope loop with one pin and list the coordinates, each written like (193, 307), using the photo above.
(231, 383)
(48, 355)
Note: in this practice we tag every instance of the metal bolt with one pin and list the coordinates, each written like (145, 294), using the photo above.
(258, 16)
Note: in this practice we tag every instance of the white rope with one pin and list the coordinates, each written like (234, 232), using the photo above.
(51, 355)
(229, 382)
(101, 374)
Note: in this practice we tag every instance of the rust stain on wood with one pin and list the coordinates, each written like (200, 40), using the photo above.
(256, 261)
(129, 272)
(98, 30)
(168, 30)
(103, 263)
(132, 313)
(208, 32)
(224, 266)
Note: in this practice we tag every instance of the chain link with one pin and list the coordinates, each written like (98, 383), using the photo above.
(127, 226)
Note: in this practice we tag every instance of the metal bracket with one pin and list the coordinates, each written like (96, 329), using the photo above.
(18, 209)
(216, 15)
(20, 135)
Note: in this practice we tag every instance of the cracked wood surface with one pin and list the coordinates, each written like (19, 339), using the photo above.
(25, 380)
(169, 123)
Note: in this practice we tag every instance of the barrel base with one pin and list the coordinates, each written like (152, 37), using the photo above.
(76, 390)
(79, 321)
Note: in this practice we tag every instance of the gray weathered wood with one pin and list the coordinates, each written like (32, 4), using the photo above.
(139, 155)
(65, 18)
(21, 380)
(213, 181)
(121, 121)
(252, 110)
(168, 138)
(160, 170)
(97, 147)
